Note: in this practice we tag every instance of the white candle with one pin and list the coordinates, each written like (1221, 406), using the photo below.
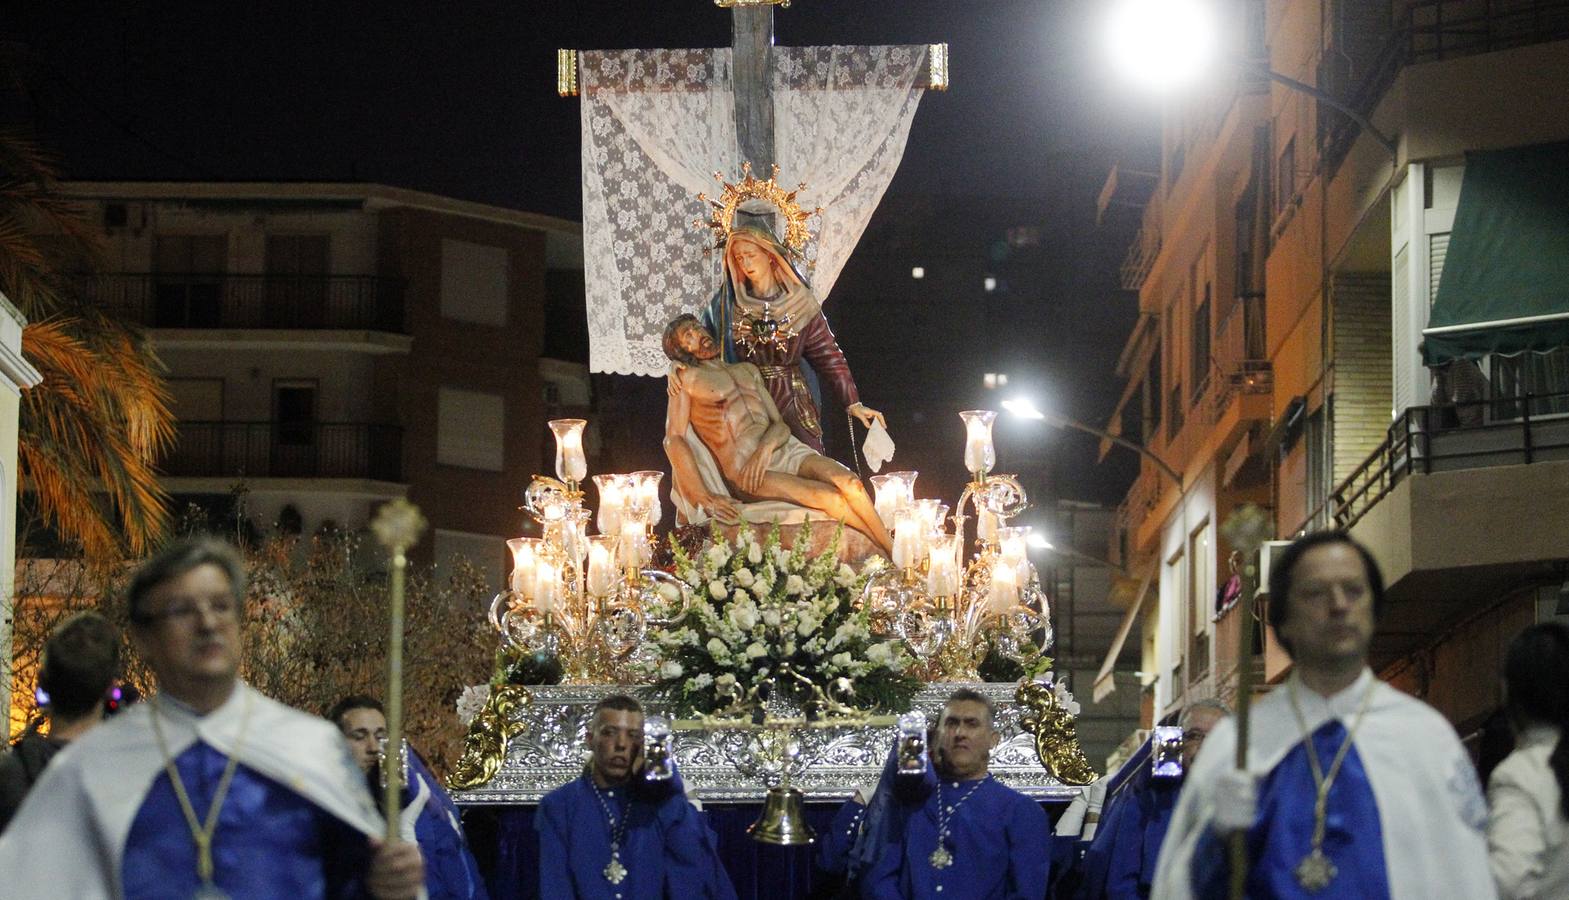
(601, 564)
(942, 578)
(632, 533)
(1013, 551)
(1004, 589)
(905, 526)
(571, 465)
(547, 586)
(612, 497)
(979, 455)
(523, 553)
(645, 486)
(886, 498)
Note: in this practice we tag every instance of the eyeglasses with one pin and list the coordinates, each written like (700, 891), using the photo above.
(1193, 736)
(190, 612)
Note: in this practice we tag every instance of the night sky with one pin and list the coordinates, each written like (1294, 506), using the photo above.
(459, 99)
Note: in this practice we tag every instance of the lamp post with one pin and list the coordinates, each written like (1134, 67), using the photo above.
(1024, 409)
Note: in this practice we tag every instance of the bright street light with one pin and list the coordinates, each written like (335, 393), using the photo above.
(1038, 541)
(1162, 45)
(1023, 407)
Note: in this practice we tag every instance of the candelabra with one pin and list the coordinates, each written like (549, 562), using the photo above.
(577, 597)
(950, 612)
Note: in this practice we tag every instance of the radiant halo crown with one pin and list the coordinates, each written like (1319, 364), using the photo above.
(721, 220)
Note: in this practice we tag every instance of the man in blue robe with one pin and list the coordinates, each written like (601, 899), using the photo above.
(1137, 816)
(429, 817)
(957, 831)
(208, 788)
(615, 835)
(1352, 788)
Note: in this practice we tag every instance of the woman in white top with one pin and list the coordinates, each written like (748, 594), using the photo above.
(1528, 824)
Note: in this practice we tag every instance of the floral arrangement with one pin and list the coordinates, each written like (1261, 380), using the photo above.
(756, 606)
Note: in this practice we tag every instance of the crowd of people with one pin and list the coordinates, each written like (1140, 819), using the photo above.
(1352, 788)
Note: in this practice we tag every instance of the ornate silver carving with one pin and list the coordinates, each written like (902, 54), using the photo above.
(724, 766)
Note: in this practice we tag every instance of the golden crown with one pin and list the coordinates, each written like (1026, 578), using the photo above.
(721, 220)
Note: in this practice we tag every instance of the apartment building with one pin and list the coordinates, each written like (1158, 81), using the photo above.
(1302, 248)
(334, 346)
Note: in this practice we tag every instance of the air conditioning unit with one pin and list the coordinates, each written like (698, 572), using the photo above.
(1268, 553)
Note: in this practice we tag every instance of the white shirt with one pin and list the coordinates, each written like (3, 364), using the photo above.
(1527, 835)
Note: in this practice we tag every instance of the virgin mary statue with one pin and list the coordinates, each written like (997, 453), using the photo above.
(766, 314)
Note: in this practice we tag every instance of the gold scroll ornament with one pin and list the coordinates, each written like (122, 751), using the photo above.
(485, 746)
(1056, 740)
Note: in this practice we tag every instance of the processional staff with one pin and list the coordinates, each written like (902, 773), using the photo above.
(1246, 530)
(397, 526)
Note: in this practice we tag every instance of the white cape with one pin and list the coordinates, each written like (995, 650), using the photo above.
(69, 836)
(1430, 806)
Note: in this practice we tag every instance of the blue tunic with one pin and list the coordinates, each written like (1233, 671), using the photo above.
(270, 841)
(450, 870)
(1135, 833)
(1283, 832)
(667, 849)
(833, 847)
(999, 840)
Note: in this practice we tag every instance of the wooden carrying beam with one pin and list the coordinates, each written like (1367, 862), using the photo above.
(933, 77)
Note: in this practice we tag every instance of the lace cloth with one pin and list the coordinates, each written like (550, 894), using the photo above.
(657, 125)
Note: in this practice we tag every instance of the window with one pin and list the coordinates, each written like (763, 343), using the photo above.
(187, 292)
(1174, 413)
(1152, 395)
(469, 429)
(1199, 287)
(1200, 593)
(474, 282)
(297, 267)
(1543, 376)
(294, 430)
(1286, 177)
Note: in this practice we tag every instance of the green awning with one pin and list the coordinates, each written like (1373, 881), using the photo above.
(1505, 282)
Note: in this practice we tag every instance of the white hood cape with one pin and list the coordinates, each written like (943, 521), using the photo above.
(69, 836)
(1430, 807)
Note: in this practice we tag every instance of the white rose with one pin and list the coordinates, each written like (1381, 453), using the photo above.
(781, 557)
(472, 702)
(724, 681)
(840, 659)
(845, 576)
(717, 648)
(717, 589)
(879, 654)
(807, 626)
(671, 669)
(744, 577)
(743, 617)
(771, 618)
(754, 554)
(794, 585)
(668, 592)
(718, 555)
(755, 650)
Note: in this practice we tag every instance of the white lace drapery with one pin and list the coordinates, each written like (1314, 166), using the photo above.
(658, 123)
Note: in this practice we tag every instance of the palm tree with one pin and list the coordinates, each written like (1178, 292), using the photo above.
(91, 432)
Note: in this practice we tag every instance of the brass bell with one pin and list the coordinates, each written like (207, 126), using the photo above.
(783, 821)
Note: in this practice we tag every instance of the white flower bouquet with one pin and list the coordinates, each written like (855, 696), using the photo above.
(756, 605)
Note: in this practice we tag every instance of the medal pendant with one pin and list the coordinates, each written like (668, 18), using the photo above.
(1315, 872)
(615, 873)
(209, 891)
(941, 858)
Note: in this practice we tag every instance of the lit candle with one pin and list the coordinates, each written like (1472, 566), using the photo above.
(885, 498)
(1004, 588)
(904, 528)
(942, 578)
(979, 455)
(601, 564)
(571, 465)
(645, 485)
(632, 533)
(986, 525)
(612, 498)
(1013, 551)
(547, 586)
(523, 555)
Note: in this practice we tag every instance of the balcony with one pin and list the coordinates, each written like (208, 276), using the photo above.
(1458, 514)
(225, 301)
(287, 450)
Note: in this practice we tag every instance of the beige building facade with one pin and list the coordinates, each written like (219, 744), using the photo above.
(1292, 269)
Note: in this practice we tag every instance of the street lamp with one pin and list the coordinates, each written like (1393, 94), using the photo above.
(1165, 46)
(1025, 408)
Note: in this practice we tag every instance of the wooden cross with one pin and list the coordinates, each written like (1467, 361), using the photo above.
(752, 30)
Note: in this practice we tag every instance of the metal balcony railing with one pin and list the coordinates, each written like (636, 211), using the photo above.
(287, 450)
(331, 302)
(1504, 431)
